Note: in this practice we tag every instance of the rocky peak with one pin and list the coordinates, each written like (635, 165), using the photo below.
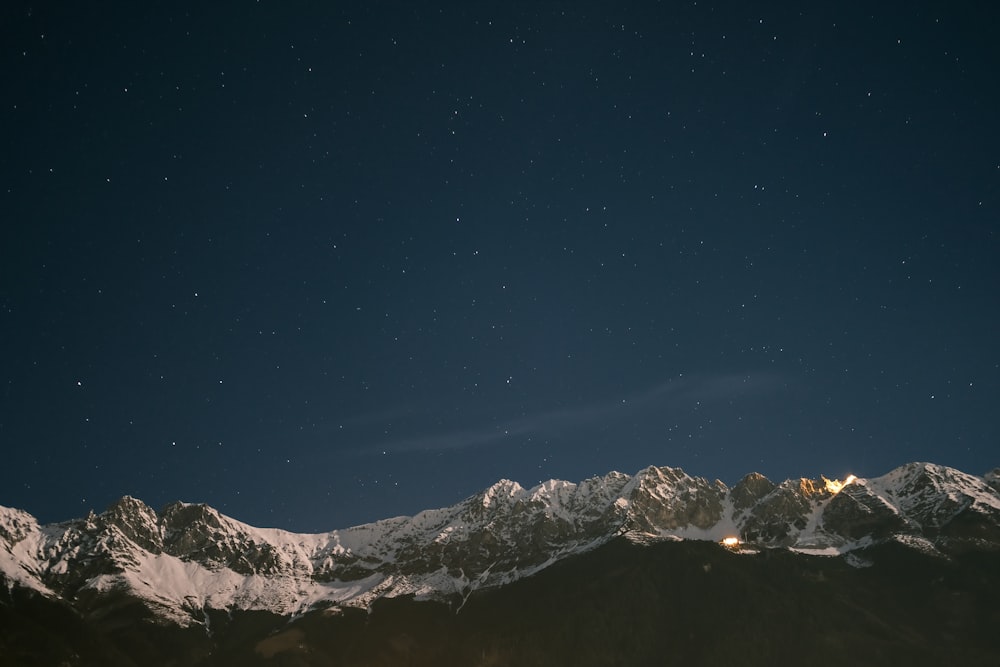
(501, 493)
(603, 490)
(490, 538)
(179, 517)
(814, 489)
(654, 476)
(664, 499)
(776, 518)
(749, 490)
(856, 512)
(15, 525)
(946, 505)
(200, 533)
(933, 492)
(136, 520)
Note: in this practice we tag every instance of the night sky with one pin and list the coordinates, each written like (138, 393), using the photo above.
(317, 264)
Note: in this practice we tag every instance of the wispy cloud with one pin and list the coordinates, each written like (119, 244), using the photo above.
(675, 395)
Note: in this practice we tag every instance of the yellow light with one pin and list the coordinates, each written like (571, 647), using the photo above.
(731, 541)
(835, 485)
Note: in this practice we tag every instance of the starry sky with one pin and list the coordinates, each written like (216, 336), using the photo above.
(319, 263)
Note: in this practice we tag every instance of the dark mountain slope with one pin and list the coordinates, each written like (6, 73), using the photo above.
(667, 603)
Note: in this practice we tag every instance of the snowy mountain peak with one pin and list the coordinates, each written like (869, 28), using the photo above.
(137, 521)
(15, 525)
(189, 557)
(935, 495)
(668, 501)
(502, 492)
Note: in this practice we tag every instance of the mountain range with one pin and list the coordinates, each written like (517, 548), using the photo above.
(130, 573)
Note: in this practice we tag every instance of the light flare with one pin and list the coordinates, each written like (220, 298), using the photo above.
(835, 485)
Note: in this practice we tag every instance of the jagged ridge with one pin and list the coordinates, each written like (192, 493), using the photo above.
(187, 559)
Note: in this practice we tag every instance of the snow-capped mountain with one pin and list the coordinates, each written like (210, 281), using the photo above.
(187, 560)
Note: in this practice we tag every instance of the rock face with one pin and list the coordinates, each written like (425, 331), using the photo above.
(993, 478)
(857, 511)
(749, 490)
(783, 513)
(187, 560)
(667, 499)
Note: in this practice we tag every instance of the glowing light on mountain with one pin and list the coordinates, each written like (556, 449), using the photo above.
(731, 542)
(835, 485)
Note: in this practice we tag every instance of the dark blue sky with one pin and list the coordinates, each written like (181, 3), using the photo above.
(322, 264)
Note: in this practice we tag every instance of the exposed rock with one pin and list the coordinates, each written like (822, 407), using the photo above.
(199, 533)
(857, 512)
(137, 521)
(665, 499)
(188, 558)
(993, 479)
(778, 516)
(750, 490)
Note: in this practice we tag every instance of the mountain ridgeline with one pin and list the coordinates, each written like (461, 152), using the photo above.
(616, 569)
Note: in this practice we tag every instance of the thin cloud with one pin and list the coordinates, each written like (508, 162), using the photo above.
(675, 394)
